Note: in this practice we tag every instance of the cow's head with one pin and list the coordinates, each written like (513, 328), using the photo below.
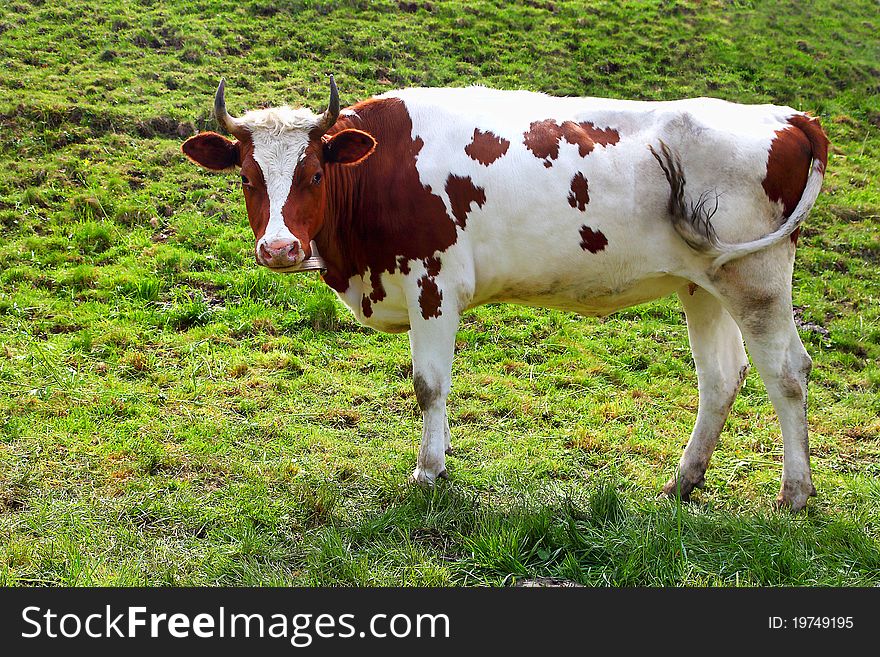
(284, 156)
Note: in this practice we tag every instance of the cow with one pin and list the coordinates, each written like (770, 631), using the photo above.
(422, 203)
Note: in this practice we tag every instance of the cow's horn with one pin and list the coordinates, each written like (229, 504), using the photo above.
(223, 117)
(332, 112)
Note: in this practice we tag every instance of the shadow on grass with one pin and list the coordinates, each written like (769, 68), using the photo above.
(448, 536)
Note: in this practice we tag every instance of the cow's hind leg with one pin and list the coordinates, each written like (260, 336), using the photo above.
(776, 349)
(721, 363)
(432, 342)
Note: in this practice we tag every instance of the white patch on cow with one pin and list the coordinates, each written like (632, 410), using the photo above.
(280, 136)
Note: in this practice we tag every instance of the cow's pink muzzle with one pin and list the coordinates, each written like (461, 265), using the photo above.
(280, 254)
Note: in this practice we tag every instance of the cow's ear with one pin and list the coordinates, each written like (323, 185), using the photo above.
(212, 151)
(348, 147)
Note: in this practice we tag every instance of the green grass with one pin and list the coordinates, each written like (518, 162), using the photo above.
(170, 414)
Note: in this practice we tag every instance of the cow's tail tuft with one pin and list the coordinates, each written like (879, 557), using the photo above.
(692, 220)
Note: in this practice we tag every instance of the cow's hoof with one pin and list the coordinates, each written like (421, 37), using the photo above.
(682, 487)
(794, 496)
(423, 477)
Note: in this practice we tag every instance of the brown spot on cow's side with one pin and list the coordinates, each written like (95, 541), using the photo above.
(462, 193)
(366, 306)
(542, 138)
(603, 137)
(592, 240)
(378, 213)
(788, 166)
(692, 287)
(430, 298)
(579, 195)
(432, 265)
(486, 147)
(585, 136)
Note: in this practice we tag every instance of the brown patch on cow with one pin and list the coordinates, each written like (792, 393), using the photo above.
(579, 195)
(366, 306)
(788, 163)
(486, 147)
(542, 138)
(379, 215)
(603, 137)
(819, 143)
(432, 265)
(462, 193)
(430, 298)
(592, 240)
(585, 136)
(378, 292)
(788, 166)
(403, 265)
(692, 287)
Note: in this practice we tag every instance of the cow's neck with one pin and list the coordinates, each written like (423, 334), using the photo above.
(379, 217)
(343, 240)
(334, 240)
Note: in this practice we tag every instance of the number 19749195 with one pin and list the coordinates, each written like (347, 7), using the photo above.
(810, 622)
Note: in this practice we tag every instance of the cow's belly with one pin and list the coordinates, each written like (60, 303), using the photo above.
(593, 266)
(502, 269)
(389, 317)
(589, 299)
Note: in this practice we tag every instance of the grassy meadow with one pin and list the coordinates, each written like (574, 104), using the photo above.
(170, 414)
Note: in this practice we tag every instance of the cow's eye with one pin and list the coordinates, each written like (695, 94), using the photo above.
(316, 178)
(245, 181)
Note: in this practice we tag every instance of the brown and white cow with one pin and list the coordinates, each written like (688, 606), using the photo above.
(424, 203)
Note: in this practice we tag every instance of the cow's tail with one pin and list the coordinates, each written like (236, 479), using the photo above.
(692, 219)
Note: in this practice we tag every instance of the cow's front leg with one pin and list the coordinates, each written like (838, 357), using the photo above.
(432, 342)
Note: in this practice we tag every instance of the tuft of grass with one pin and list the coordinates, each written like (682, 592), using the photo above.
(186, 315)
(91, 236)
(319, 313)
